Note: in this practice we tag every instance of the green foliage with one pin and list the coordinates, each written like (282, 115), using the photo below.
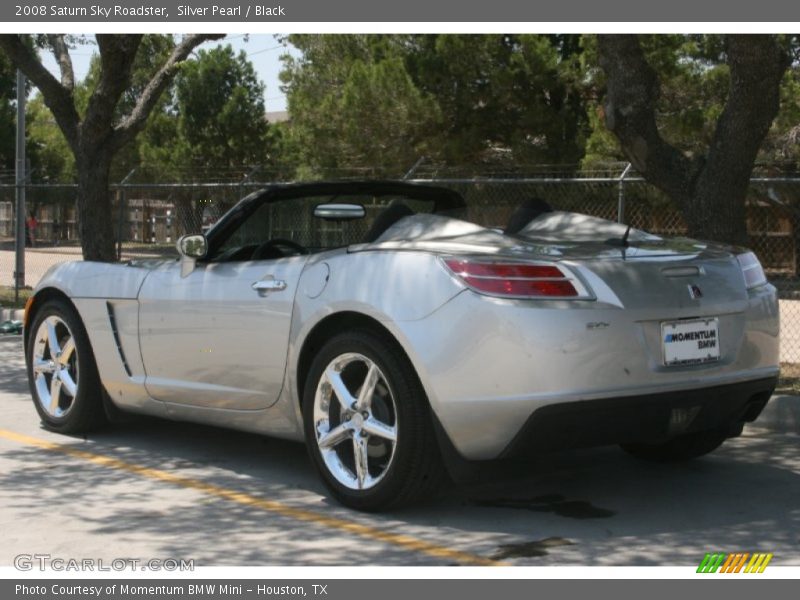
(694, 87)
(153, 51)
(506, 93)
(694, 80)
(374, 116)
(8, 92)
(371, 105)
(215, 120)
(350, 107)
(466, 100)
(51, 155)
(220, 111)
(781, 149)
(8, 112)
(211, 118)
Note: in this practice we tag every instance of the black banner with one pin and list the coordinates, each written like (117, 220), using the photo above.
(439, 11)
(398, 589)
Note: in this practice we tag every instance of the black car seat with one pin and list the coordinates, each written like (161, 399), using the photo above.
(385, 219)
(526, 212)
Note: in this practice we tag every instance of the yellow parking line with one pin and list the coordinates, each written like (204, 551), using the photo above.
(403, 541)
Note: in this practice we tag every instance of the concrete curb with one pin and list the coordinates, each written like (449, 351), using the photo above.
(11, 314)
(781, 415)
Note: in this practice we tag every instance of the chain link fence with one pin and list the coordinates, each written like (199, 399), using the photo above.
(149, 217)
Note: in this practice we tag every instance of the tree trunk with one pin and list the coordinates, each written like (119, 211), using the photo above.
(717, 211)
(711, 191)
(95, 220)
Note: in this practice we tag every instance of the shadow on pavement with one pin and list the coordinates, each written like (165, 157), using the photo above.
(12, 371)
(586, 506)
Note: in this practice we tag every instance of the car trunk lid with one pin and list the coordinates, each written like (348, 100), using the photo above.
(670, 277)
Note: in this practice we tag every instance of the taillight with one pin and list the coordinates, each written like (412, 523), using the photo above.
(751, 269)
(511, 279)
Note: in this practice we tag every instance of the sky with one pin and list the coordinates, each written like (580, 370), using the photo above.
(263, 50)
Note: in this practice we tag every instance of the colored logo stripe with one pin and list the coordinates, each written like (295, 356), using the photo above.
(758, 563)
(734, 563)
(711, 562)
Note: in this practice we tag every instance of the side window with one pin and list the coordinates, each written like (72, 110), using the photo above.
(250, 235)
(255, 230)
(292, 220)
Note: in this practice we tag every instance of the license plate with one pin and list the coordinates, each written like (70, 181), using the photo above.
(690, 342)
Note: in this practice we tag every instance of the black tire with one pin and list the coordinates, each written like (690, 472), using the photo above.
(84, 411)
(681, 448)
(415, 469)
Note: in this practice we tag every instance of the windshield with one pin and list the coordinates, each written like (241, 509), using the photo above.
(289, 226)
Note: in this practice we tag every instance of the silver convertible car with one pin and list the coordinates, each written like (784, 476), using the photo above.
(376, 322)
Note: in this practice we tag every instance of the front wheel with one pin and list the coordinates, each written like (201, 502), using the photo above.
(684, 447)
(62, 372)
(368, 425)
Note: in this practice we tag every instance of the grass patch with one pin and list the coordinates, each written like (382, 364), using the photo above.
(7, 297)
(788, 385)
(789, 379)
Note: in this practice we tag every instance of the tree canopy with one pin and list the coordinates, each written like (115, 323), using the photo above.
(372, 105)
(219, 104)
(8, 93)
(694, 79)
(383, 101)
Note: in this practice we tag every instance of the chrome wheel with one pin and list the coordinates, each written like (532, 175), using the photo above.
(368, 425)
(355, 421)
(55, 367)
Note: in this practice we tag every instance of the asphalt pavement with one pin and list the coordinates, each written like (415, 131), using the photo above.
(157, 489)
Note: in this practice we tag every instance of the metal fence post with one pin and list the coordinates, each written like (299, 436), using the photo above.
(123, 201)
(414, 167)
(621, 198)
(19, 265)
(246, 180)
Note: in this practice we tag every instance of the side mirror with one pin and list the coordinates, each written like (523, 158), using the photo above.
(191, 247)
(339, 212)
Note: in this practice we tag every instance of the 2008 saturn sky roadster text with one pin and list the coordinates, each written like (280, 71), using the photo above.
(375, 322)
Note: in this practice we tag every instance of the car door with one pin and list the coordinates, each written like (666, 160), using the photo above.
(218, 337)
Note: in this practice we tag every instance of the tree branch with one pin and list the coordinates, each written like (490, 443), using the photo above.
(128, 129)
(61, 52)
(117, 53)
(757, 64)
(57, 98)
(630, 108)
(711, 190)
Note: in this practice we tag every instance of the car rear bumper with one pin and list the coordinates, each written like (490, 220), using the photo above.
(650, 419)
(490, 366)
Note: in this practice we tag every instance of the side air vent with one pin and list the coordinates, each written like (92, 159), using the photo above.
(112, 319)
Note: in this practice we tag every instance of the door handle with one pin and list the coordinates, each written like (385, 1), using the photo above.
(269, 285)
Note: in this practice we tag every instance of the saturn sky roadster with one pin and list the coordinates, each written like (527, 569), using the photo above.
(375, 322)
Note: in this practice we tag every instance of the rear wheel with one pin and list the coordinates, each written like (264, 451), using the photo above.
(684, 447)
(62, 372)
(368, 425)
